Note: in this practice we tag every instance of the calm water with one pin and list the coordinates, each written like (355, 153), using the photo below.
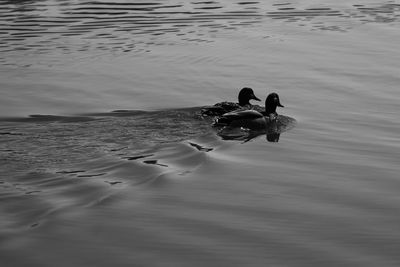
(105, 161)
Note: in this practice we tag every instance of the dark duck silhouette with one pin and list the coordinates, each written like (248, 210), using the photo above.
(252, 119)
(245, 95)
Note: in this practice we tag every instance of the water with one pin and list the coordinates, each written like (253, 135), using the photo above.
(152, 184)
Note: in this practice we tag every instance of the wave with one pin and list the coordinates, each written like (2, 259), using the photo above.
(65, 162)
(47, 154)
(46, 25)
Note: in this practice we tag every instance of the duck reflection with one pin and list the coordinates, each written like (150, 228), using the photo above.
(273, 138)
(245, 135)
(272, 131)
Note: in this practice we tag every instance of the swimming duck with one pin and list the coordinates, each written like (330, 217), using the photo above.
(252, 119)
(245, 95)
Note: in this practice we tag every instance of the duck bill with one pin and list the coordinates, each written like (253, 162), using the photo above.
(255, 98)
(280, 105)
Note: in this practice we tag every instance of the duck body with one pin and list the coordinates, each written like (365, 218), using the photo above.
(245, 95)
(252, 119)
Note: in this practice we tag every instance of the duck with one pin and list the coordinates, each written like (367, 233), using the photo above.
(252, 119)
(245, 95)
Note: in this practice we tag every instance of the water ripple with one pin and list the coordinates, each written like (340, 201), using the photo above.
(37, 27)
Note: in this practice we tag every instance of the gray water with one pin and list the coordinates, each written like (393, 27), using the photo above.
(105, 160)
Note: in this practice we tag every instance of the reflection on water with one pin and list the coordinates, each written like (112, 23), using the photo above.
(272, 131)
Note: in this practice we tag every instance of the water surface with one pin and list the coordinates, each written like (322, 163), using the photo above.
(105, 160)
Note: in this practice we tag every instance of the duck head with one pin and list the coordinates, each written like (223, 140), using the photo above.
(245, 95)
(271, 103)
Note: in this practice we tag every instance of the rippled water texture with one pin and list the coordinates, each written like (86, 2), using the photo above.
(105, 159)
(47, 27)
